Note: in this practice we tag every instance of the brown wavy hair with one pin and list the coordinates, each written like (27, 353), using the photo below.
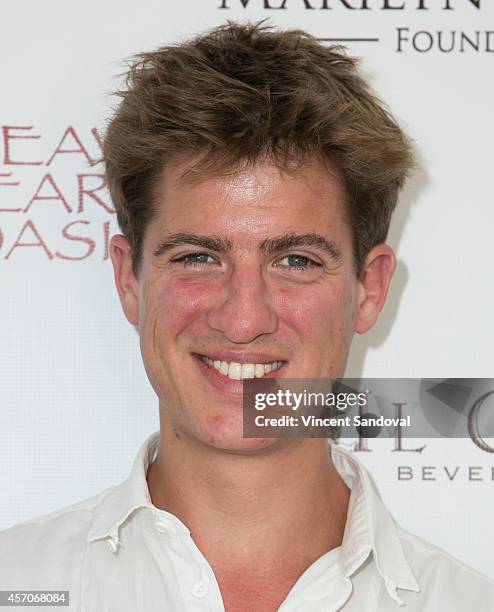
(245, 92)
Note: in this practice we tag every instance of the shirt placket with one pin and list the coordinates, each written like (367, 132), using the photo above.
(196, 580)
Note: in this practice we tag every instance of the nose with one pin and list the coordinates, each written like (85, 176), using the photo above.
(243, 309)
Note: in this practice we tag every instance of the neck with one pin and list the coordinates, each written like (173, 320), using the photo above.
(284, 505)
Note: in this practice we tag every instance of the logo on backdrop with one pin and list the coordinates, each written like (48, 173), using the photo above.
(404, 39)
(54, 201)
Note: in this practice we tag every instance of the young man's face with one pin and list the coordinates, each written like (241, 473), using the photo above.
(255, 268)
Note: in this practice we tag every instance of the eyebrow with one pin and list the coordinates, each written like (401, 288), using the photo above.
(293, 240)
(213, 243)
(269, 246)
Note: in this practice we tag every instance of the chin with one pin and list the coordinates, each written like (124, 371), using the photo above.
(228, 437)
(244, 446)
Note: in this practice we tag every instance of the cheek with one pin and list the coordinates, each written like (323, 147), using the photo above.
(173, 306)
(319, 315)
(168, 308)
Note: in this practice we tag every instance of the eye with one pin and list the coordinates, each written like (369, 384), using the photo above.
(298, 263)
(198, 260)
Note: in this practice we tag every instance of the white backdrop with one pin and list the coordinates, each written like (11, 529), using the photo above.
(75, 403)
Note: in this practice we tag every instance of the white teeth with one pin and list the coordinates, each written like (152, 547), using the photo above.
(248, 370)
(259, 370)
(235, 371)
(239, 371)
(224, 368)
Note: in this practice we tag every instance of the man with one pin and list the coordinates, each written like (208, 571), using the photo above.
(254, 176)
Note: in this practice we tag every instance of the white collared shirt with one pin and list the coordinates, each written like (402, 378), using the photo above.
(117, 552)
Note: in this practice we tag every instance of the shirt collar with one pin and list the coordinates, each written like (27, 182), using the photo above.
(119, 503)
(369, 526)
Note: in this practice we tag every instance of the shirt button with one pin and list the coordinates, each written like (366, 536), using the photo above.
(164, 526)
(200, 589)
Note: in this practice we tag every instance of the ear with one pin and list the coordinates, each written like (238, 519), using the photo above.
(379, 267)
(125, 281)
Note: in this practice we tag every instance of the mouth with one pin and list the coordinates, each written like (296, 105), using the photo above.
(235, 370)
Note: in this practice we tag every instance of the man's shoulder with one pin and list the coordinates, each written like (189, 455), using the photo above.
(68, 519)
(438, 571)
(46, 544)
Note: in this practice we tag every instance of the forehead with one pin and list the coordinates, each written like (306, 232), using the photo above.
(254, 198)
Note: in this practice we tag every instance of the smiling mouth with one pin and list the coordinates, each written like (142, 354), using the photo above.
(241, 371)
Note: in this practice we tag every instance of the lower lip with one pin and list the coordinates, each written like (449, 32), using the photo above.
(224, 383)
